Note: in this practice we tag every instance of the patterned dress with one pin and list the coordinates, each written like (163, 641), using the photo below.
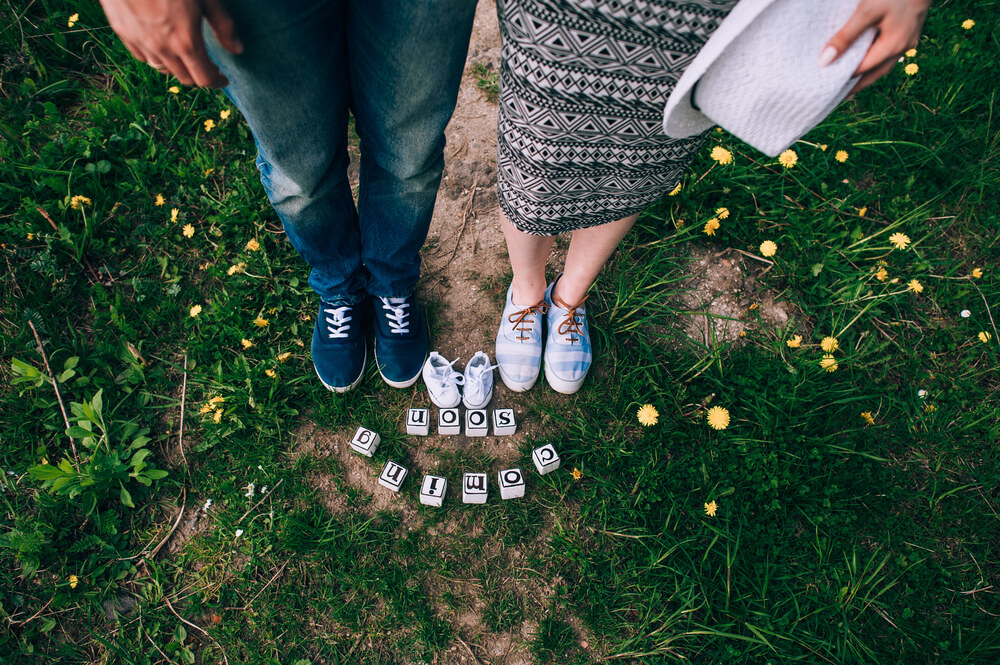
(583, 84)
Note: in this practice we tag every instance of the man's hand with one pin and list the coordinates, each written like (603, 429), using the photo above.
(898, 22)
(166, 34)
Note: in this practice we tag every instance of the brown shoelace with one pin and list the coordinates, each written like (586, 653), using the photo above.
(518, 318)
(569, 324)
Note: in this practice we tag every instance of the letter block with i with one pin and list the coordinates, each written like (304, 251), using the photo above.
(365, 441)
(449, 422)
(474, 488)
(392, 476)
(432, 490)
(418, 422)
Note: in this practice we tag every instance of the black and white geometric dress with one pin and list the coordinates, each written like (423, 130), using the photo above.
(583, 84)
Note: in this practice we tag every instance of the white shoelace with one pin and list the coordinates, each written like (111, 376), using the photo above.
(397, 315)
(476, 376)
(339, 324)
(445, 374)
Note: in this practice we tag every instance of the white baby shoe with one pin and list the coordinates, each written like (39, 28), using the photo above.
(478, 382)
(442, 381)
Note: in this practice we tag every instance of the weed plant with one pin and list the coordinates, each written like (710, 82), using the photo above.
(853, 491)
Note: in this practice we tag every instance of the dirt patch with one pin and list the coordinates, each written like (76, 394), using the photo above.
(724, 301)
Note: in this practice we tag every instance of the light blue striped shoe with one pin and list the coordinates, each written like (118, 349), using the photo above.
(568, 352)
(519, 344)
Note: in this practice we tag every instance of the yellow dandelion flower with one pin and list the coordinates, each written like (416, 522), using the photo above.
(648, 415)
(862, 211)
(260, 322)
(899, 240)
(795, 342)
(911, 69)
(717, 417)
(252, 245)
(788, 159)
(188, 230)
(270, 372)
(721, 155)
(576, 473)
(79, 201)
(205, 408)
(968, 24)
(675, 191)
(217, 416)
(929, 408)
(218, 399)
(209, 124)
(70, 23)
(711, 226)
(828, 362)
(829, 344)
(160, 200)
(73, 579)
(195, 310)
(912, 53)
(768, 248)
(224, 114)
(867, 417)
(915, 286)
(30, 236)
(841, 156)
(823, 147)
(239, 267)
(977, 272)
(881, 274)
(711, 508)
(246, 343)
(722, 213)
(985, 337)
(174, 212)
(173, 90)
(282, 357)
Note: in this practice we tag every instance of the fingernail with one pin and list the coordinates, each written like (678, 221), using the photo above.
(827, 56)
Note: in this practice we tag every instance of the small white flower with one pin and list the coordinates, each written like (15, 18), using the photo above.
(965, 314)
(263, 490)
(921, 393)
(250, 491)
(261, 468)
(208, 504)
(239, 532)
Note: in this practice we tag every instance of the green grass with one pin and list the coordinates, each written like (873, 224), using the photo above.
(835, 541)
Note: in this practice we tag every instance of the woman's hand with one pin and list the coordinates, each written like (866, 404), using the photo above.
(898, 22)
(166, 34)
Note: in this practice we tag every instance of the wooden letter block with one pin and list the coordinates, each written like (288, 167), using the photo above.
(449, 422)
(546, 459)
(511, 484)
(476, 423)
(474, 488)
(432, 490)
(503, 422)
(365, 441)
(418, 421)
(392, 476)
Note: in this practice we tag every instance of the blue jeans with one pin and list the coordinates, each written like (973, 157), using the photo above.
(397, 65)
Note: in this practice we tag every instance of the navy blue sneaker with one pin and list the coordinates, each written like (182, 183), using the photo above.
(400, 340)
(338, 346)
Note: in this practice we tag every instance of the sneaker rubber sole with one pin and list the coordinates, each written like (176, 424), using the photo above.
(516, 386)
(401, 384)
(344, 389)
(561, 385)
